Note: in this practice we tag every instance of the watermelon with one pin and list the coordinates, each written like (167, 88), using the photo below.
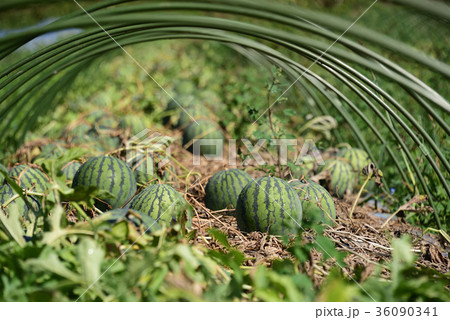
(342, 177)
(316, 201)
(183, 87)
(269, 205)
(181, 117)
(204, 129)
(305, 166)
(134, 123)
(70, 168)
(357, 158)
(7, 193)
(29, 178)
(162, 203)
(109, 174)
(224, 187)
(102, 120)
(80, 134)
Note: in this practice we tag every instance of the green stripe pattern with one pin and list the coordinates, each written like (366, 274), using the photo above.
(6, 193)
(205, 129)
(357, 158)
(70, 169)
(29, 178)
(224, 187)
(132, 122)
(342, 176)
(315, 199)
(164, 204)
(305, 166)
(109, 174)
(269, 205)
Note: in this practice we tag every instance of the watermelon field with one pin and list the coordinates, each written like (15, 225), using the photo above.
(224, 150)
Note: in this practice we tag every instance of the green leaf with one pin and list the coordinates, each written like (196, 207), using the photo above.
(90, 254)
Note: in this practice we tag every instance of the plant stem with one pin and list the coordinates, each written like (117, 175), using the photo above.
(359, 194)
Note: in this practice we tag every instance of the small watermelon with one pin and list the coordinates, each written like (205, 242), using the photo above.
(102, 120)
(29, 178)
(188, 110)
(305, 166)
(357, 158)
(183, 87)
(109, 174)
(315, 199)
(203, 130)
(224, 187)
(70, 168)
(7, 193)
(80, 134)
(162, 203)
(342, 177)
(132, 122)
(269, 205)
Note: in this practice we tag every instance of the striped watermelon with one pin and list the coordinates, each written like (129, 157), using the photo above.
(7, 193)
(342, 176)
(132, 122)
(70, 168)
(181, 117)
(204, 130)
(357, 158)
(109, 174)
(316, 201)
(183, 87)
(223, 189)
(269, 205)
(303, 169)
(162, 203)
(102, 120)
(29, 178)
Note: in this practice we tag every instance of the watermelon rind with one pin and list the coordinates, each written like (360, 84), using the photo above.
(29, 178)
(342, 177)
(270, 205)
(7, 193)
(357, 158)
(70, 169)
(164, 204)
(315, 199)
(109, 174)
(224, 187)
